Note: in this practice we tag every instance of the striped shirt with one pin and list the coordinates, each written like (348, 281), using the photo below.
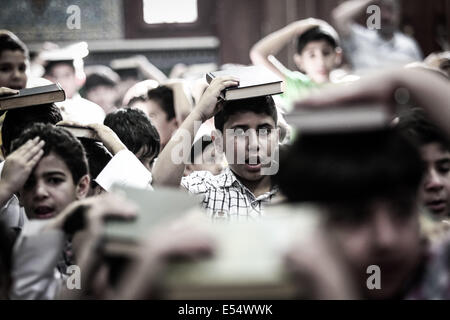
(225, 197)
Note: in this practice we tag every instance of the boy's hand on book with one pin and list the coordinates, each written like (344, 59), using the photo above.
(19, 165)
(109, 138)
(4, 91)
(207, 106)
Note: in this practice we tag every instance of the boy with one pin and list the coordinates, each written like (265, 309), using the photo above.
(101, 87)
(367, 48)
(60, 176)
(248, 135)
(138, 134)
(13, 61)
(65, 66)
(435, 151)
(160, 109)
(386, 234)
(318, 53)
(15, 122)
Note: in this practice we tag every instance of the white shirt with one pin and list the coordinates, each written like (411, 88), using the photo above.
(80, 110)
(367, 50)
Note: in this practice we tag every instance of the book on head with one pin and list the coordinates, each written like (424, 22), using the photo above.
(254, 81)
(33, 96)
(81, 132)
(154, 208)
(339, 119)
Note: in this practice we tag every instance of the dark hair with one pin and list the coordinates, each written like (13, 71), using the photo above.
(351, 168)
(9, 41)
(164, 97)
(316, 34)
(258, 105)
(97, 156)
(420, 130)
(62, 143)
(49, 65)
(135, 130)
(17, 120)
(99, 76)
(142, 98)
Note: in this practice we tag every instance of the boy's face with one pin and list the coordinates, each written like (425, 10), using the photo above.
(435, 191)
(165, 127)
(104, 96)
(50, 188)
(65, 75)
(317, 60)
(249, 140)
(387, 238)
(13, 67)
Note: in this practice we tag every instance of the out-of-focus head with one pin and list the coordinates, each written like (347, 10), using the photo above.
(14, 61)
(367, 182)
(318, 53)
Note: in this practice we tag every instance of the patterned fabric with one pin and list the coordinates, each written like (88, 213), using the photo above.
(225, 197)
(434, 283)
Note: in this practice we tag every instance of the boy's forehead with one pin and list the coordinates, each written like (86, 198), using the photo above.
(249, 119)
(434, 151)
(318, 44)
(12, 56)
(51, 163)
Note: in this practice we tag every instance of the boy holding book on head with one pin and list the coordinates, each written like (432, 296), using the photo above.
(15, 122)
(138, 134)
(13, 61)
(48, 170)
(384, 229)
(66, 67)
(318, 54)
(248, 135)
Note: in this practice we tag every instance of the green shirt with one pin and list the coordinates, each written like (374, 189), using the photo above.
(297, 86)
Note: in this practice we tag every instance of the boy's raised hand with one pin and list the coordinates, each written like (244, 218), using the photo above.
(19, 165)
(207, 106)
(4, 91)
(109, 138)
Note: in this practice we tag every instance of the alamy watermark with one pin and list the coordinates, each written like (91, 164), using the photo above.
(74, 19)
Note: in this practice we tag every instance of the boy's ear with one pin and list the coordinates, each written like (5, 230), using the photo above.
(338, 57)
(82, 188)
(217, 139)
(298, 61)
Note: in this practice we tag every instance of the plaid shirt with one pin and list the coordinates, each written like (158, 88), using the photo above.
(434, 281)
(225, 197)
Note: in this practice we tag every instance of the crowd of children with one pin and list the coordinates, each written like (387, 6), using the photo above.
(382, 193)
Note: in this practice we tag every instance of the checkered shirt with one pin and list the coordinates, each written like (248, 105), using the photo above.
(225, 197)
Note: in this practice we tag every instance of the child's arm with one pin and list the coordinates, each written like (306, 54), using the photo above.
(430, 91)
(274, 42)
(168, 173)
(4, 91)
(181, 101)
(346, 13)
(18, 166)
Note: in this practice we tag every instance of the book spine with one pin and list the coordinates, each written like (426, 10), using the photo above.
(209, 77)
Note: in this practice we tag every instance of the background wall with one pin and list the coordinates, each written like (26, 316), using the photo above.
(224, 33)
